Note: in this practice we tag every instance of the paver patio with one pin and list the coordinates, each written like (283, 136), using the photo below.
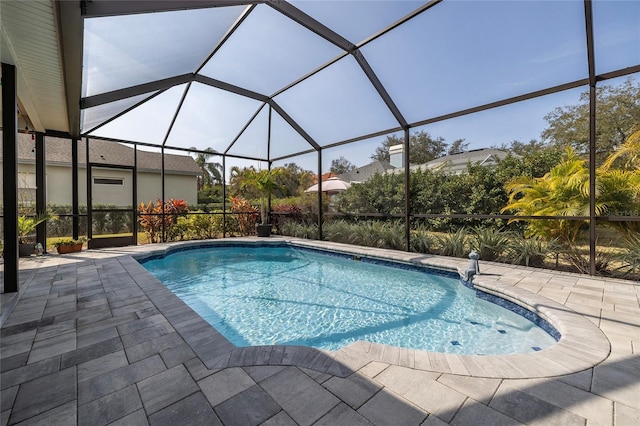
(93, 339)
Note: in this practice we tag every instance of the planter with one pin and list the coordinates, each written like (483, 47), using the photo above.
(25, 249)
(263, 230)
(104, 242)
(68, 248)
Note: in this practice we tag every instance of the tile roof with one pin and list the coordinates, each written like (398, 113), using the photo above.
(366, 172)
(58, 151)
(325, 176)
(457, 163)
(473, 156)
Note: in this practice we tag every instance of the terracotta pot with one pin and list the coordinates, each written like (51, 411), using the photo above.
(64, 249)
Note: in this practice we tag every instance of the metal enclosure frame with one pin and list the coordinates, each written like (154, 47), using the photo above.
(71, 21)
(350, 48)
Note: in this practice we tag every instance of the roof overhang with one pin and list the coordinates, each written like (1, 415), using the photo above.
(43, 39)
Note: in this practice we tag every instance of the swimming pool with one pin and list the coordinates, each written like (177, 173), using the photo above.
(291, 296)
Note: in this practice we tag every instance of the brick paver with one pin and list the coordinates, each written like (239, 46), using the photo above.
(93, 339)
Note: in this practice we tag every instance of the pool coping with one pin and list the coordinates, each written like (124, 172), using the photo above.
(582, 344)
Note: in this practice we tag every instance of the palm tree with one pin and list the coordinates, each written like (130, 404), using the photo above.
(211, 172)
(236, 176)
(629, 150)
(564, 191)
(626, 181)
(263, 181)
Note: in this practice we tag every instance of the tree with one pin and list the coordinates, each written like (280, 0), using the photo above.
(341, 165)
(533, 159)
(422, 148)
(264, 181)
(628, 157)
(617, 117)
(477, 191)
(210, 195)
(532, 147)
(294, 179)
(211, 172)
(238, 186)
(561, 192)
(458, 146)
(381, 194)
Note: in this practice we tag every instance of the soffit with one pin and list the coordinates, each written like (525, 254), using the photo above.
(30, 41)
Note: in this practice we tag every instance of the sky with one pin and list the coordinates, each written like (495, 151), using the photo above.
(457, 55)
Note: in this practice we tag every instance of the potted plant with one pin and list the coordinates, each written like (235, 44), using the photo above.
(265, 182)
(27, 227)
(69, 245)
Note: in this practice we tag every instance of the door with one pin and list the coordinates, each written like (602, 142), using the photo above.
(111, 191)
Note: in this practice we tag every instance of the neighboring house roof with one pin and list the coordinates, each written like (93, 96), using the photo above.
(366, 172)
(325, 176)
(58, 152)
(457, 163)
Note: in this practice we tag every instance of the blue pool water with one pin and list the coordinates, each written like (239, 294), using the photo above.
(284, 295)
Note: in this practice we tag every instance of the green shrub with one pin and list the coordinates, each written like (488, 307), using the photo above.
(528, 251)
(367, 234)
(579, 259)
(391, 235)
(422, 241)
(64, 225)
(489, 243)
(306, 204)
(119, 222)
(300, 230)
(629, 256)
(181, 230)
(372, 233)
(283, 214)
(69, 242)
(454, 244)
(338, 231)
(231, 226)
(199, 225)
(209, 207)
(205, 226)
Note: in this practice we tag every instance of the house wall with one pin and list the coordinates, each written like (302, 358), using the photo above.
(59, 189)
(26, 183)
(119, 195)
(175, 186)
